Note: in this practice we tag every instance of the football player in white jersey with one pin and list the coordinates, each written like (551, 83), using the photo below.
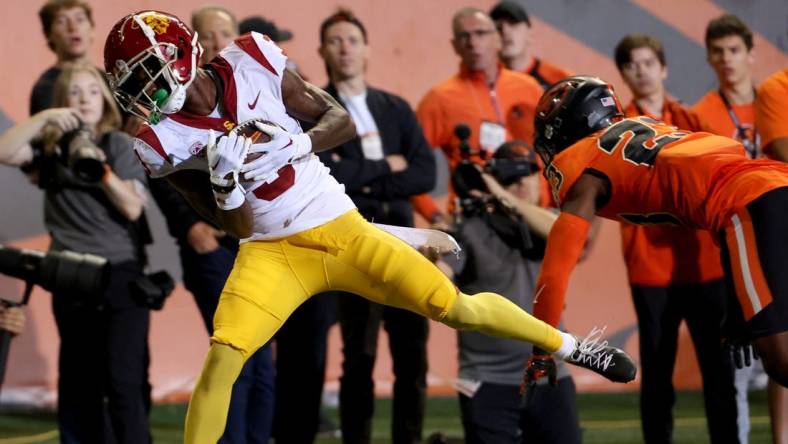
(301, 235)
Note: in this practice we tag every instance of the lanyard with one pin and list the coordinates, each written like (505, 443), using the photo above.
(751, 144)
(493, 98)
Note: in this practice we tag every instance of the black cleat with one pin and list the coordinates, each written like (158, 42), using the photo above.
(610, 362)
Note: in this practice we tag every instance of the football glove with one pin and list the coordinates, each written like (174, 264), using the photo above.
(281, 150)
(538, 366)
(742, 352)
(225, 158)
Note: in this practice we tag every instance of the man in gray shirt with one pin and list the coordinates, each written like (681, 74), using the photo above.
(502, 245)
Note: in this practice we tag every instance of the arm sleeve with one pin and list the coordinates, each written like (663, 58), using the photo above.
(564, 247)
(419, 177)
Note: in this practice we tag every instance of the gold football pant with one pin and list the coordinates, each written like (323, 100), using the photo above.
(271, 279)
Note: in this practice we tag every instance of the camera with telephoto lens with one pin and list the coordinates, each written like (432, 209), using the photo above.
(82, 156)
(56, 271)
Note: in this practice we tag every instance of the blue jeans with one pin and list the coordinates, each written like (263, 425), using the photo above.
(252, 403)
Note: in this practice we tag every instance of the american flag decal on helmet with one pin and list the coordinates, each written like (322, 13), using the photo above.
(607, 101)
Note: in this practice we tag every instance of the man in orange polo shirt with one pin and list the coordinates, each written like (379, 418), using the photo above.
(728, 110)
(675, 274)
(771, 115)
(495, 103)
(514, 24)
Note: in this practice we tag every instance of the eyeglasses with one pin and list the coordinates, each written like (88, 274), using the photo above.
(479, 33)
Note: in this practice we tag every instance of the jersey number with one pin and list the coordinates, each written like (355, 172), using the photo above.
(270, 191)
(637, 140)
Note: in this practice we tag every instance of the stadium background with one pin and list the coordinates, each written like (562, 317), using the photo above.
(410, 53)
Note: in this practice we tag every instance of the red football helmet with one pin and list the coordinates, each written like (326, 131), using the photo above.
(151, 59)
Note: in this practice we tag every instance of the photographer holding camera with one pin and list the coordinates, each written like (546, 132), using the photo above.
(502, 231)
(94, 191)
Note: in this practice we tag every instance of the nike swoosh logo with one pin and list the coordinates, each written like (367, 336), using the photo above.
(538, 293)
(253, 104)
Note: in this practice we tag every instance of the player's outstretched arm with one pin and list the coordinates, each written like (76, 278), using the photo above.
(310, 103)
(565, 246)
(195, 187)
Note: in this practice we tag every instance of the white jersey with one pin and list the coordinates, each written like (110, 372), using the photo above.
(304, 196)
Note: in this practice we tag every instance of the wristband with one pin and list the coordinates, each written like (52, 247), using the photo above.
(230, 201)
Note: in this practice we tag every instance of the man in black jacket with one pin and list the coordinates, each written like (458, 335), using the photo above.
(387, 163)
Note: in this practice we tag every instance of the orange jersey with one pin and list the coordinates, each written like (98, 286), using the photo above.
(715, 118)
(658, 256)
(660, 175)
(771, 108)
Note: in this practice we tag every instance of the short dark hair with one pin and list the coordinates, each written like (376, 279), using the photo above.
(50, 9)
(342, 15)
(725, 26)
(631, 42)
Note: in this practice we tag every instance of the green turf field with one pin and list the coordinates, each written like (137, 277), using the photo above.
(612, 419)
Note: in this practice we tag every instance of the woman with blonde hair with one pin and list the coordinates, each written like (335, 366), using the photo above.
(94, 191)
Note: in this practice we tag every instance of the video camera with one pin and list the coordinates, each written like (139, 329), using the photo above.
(511, 161)
(56, 271)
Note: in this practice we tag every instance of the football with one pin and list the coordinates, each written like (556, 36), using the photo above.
(248, 129)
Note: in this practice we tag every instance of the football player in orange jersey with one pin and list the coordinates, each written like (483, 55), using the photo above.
(674, 274)
(640, 171)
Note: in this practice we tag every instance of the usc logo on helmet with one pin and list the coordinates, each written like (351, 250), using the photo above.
(157, 22)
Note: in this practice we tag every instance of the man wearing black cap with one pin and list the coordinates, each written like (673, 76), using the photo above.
(260, 24)
(514, 25)
(496, 254)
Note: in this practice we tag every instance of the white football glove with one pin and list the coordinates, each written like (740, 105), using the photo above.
(282, 149)
(225, 159)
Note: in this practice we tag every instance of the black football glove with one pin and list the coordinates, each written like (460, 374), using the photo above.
(743, 352)
(538, 366)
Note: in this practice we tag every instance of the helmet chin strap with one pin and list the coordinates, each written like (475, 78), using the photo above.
(172, 103)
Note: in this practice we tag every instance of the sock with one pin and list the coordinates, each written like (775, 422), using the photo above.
(568, 346)
(495, 315)
(207, 413)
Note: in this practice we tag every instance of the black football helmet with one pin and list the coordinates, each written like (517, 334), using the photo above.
(572, 109)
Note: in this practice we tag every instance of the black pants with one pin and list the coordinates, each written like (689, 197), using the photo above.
(103, 389)
(360, 322)
(252, 402)
(301, 369)
(497, 414)
(659, 312)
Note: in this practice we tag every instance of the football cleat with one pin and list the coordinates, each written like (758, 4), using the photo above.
(601, 358)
